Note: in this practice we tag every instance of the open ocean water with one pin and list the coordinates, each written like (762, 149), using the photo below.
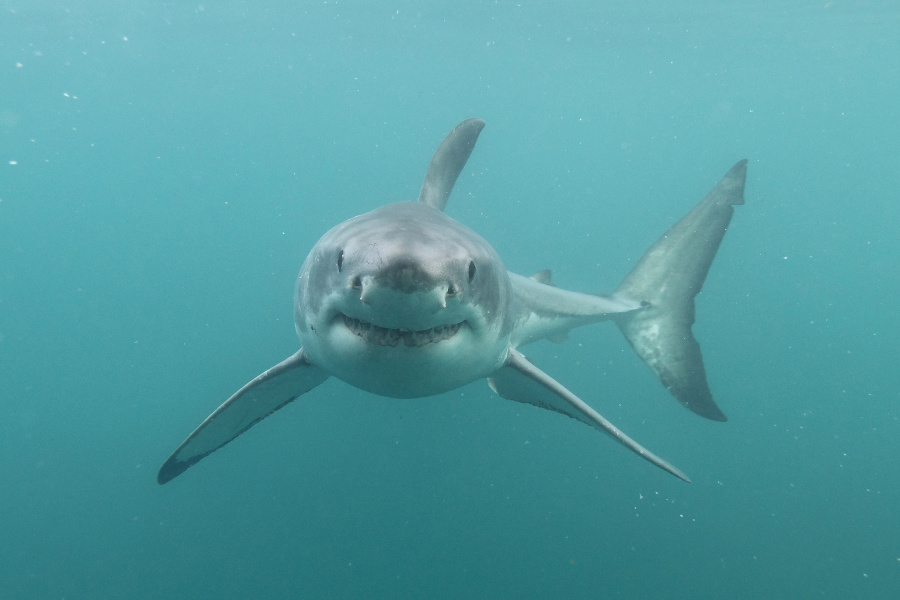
(166, 166)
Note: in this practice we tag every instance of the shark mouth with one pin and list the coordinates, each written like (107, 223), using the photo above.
(382, 336)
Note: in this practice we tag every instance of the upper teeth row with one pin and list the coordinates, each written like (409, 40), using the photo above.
(392, 337)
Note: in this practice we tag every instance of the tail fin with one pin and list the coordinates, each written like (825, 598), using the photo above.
(666, 279)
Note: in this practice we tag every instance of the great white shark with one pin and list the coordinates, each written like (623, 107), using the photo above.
(406, 302)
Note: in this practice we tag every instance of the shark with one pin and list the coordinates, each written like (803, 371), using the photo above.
(406, 302)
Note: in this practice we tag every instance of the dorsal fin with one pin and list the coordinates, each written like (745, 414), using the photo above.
(448, 162)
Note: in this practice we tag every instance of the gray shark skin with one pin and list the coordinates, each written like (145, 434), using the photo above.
(406, 302)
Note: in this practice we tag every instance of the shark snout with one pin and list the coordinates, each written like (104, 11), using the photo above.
(396, 295)
(406, 278)
(407, 275)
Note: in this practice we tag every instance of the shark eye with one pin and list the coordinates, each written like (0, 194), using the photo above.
(340, 260)
(471, 271)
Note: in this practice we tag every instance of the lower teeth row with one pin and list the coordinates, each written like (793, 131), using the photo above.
(393, 337)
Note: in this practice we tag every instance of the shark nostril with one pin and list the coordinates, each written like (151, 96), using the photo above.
(356, 283)
(451, 290)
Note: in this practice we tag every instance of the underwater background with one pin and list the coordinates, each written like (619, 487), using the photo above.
(166, 166)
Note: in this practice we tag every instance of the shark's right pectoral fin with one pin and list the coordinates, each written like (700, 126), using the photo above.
(665, 280)
(521, 381)
(262, 396)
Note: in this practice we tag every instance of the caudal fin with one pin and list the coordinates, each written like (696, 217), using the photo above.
(666, 279)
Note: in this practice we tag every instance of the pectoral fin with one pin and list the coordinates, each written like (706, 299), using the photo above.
(521, 381)
(262, 396)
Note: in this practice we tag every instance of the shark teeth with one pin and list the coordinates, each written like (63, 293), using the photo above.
(382, 336)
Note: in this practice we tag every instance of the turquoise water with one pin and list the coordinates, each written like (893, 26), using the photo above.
(165, 167)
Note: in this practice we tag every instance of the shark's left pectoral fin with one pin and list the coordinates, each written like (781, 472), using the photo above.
(262, 396)
(521, 381)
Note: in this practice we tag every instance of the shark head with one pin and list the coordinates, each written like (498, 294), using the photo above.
(405, 302)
